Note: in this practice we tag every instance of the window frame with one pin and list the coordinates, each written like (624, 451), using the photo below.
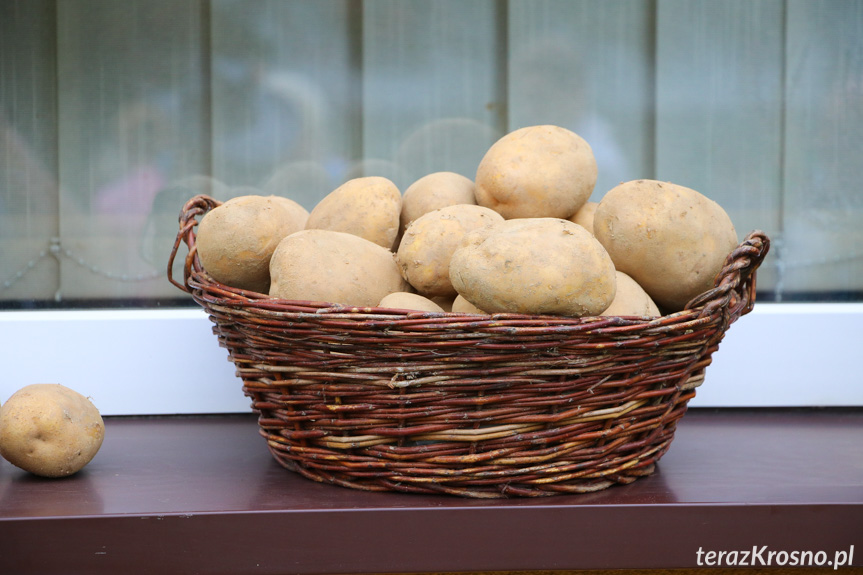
(159, 360)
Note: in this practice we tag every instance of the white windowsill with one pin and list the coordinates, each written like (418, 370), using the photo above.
(140, 362)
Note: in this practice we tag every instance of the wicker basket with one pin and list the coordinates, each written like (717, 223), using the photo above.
(475, 406)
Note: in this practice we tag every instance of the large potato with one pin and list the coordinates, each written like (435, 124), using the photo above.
(428, 244)
(538, 171)
(368, 207)
(50, 430)
(434, 191)
(630, 299)
(670, 239)
(236, 239)
(335, 267)
(535, 266)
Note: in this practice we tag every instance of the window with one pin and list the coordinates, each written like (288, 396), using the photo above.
(113, 114)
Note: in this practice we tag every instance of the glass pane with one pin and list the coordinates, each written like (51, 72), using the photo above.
(285, 96)
(112, 114)
(29, 205)
(719, 86)
(589, 67)
(131, 120)
(433, 91)
(822, 240)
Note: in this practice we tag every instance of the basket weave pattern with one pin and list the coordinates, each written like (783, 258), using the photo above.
(475, 406)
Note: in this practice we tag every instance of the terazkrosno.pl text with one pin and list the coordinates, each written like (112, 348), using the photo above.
(762, 556)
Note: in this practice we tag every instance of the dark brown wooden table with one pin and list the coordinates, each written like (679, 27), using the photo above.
(202, 495)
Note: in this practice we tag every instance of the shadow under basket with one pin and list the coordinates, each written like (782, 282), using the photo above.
(469, 405)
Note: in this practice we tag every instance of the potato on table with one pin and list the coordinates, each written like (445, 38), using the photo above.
(534, 266)
(670, 239)
(535, 172)
(50, 430)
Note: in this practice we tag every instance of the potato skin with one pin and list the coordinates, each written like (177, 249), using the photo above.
(433, 192)
(296, 214)
(368, 207)
(461, 305)
(537, 171)
(670, 239)
(236, 239)
(334, 267)
(444, 302)
(50, 430)
(428, 244)
(631, 299)
(584, 215)
(411, 301)
(534, 266)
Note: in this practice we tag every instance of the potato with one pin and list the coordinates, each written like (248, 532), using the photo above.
(368, 207)
(670, 239)
(534, 266)
(334, 267)
(50, 430)
(407, 300)
(236, 239)
(444, 302)
(297, 215)
(584, 215)
(630, 299)
(538, 171)
(461, 305)
(429, 241)
(434, 191)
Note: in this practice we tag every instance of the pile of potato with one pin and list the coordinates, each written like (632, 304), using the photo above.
(522, 237)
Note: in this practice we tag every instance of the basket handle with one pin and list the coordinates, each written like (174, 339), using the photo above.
(192, 210)
(734, 286)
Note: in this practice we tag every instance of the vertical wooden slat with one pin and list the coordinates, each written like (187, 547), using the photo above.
(823, 204)
(431, 98)
(131, 122)
(285, 94)
(587, 66)
(28, 150)
(719, 106)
